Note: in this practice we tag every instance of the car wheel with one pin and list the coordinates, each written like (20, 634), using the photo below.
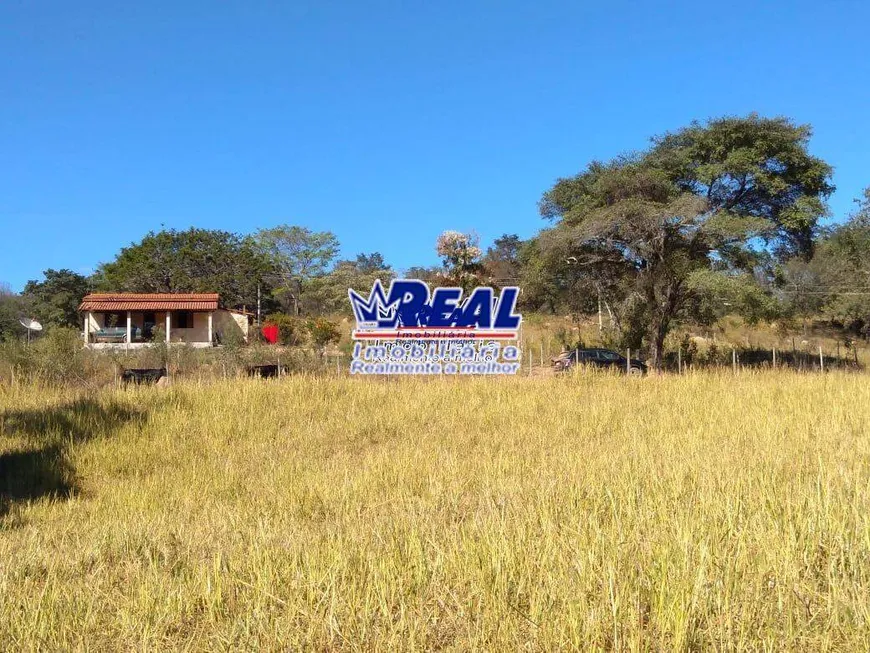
(635, 371)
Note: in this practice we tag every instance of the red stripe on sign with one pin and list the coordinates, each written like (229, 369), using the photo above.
(435, 334)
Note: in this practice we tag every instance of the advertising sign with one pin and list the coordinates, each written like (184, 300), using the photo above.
(409, 329)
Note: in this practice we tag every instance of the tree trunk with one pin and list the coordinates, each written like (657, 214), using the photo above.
(657, 333)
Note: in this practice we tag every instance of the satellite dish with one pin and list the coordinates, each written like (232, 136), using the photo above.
(30, 325)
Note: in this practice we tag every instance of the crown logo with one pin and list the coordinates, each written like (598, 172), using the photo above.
(376, 311)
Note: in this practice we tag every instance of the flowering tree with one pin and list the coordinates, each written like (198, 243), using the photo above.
(460, 254)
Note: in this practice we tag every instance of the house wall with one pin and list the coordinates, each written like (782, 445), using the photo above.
(226, 322)
(223, 323)
(197, 333)
(243, 321)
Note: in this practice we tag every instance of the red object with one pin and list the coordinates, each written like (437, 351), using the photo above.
(270, 333)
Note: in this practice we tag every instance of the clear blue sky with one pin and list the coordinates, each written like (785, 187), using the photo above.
(383, 121)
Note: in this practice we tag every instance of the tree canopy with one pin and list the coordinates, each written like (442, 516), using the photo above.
(647, 229)
(841, 271)
(12, 308)
(752, 167)
(327, 293)
(298, 255)
(195, 260)
(55, 299)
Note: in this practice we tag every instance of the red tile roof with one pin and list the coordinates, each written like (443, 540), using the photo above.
(149, 302)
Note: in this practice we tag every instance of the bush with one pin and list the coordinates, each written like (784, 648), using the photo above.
(56, 358)
(292, 331)
(322, 332)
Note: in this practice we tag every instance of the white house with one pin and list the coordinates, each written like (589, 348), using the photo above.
(128, 320)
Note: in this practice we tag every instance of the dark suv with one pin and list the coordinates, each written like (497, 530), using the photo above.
(598, 358)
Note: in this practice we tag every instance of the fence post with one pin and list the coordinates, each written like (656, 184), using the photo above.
(821, 359)
(774, 358)
(734, 359)
(679, 360)
(628, 361)
(530, 361)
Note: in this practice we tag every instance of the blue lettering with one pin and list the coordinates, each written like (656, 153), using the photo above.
(477, 311)
(505, 318)
(444, 307)
(412, 296)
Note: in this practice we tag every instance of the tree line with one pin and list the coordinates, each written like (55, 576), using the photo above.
(719, 217)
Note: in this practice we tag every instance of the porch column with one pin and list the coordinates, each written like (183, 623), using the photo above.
(168, 325)
(129, 328)
(210, 331)
(87, 326)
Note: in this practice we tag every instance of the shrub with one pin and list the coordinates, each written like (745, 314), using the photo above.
(56, 358)
(292, 331)
(322, 332)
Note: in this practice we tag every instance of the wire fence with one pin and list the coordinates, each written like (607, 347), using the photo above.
(541, 354)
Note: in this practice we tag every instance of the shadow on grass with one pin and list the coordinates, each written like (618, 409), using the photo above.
(42, 466)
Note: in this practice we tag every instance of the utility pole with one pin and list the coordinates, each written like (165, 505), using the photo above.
(600, 321)
(258, 306)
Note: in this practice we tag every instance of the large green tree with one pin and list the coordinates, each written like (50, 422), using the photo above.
(752, 167)
(55, 299)
(298, 256)
(840, 272)
(630, 218)
(12, 308)
(195, 260)
(327, 294)
(647, 230)
(501, 263)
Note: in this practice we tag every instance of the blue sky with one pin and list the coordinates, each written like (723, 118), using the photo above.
(383, 121)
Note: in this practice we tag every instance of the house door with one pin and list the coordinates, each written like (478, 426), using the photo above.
(149, 321)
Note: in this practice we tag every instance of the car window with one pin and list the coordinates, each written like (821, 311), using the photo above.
(609, 355)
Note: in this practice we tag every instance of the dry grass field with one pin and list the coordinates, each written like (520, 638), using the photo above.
(593, 512)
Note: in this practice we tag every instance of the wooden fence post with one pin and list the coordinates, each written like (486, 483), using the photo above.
(774, 358)
(734, 359)
(679, 360)
(821, 359)
(628, 361)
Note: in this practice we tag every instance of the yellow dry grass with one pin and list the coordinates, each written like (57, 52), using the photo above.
(593, 512)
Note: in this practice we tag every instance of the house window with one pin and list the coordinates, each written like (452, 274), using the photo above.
(115, 320)
(183, 319)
